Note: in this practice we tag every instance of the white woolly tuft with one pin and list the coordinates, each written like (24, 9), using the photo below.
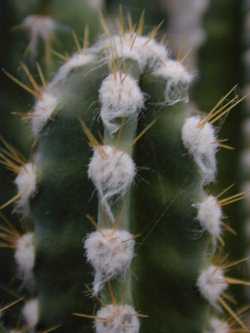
(110, 252)
(95, 4)
(112, 171)
(246, 129)
(120, 97)
(117, 319)
(26, 186)
(144, 50)
(30, 313)
(212, 284)
(25, 257)
(210, 216)
(177, 81)
(246, 190)
(245, 159)
(39, 27)
(43, 110)
(77, 60)
(185, 26)
(218, 326)
(201, 142)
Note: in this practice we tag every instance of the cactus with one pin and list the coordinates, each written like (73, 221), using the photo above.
(141, 263)
(223, 25)
(36, 36)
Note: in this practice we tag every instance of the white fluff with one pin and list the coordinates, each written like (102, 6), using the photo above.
(212, 284)
(210, 216)
(144, 50)
(43, 110)
(185, 26)
(246, 93)
(110, 252)
(246, 129)
(77, 60)
(39, 27)
(25, 257)
(30, 313)
(120, 97)
(201, 142)
(26, 187)
(112, 172)
(117, 319)
(96, 4)
(218, 326)
(245, 160)
(177, 81)
(246, 190)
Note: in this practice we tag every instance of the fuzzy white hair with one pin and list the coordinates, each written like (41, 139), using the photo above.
(177, 81)
(201, 143)
(218, 326)
(44, 108)
(77, 60)
(117, 319)
(245, 159)
(110, 252)
(39, 27)
(26, 187)
(25, 257)
(210, 216)
(112, 172)
(212, 284)
(120, 97)
(144, 50)
(30, 313)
